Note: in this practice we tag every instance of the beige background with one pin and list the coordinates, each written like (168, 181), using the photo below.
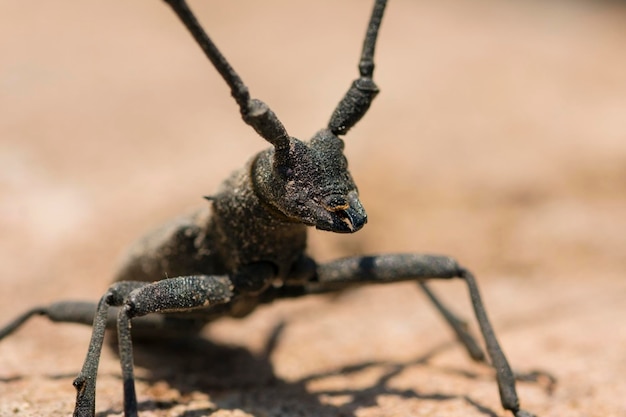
(499, 137)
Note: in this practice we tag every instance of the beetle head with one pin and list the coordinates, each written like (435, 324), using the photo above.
(309, 183)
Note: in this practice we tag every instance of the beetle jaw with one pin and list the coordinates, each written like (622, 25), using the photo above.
(348, 217)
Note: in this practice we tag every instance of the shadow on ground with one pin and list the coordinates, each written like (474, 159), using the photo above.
(234, 378)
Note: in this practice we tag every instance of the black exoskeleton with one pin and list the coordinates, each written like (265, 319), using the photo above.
(247, 247)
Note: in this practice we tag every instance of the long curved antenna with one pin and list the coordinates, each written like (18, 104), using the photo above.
(254, 112)
(359, 97)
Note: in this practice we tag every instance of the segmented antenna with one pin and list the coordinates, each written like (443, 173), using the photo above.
(253, 111)
(366, 64)
(257, 114)
(359, 97)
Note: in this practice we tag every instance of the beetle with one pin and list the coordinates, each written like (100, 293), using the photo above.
(247, 247)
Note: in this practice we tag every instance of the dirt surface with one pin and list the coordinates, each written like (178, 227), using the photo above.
(499, 137)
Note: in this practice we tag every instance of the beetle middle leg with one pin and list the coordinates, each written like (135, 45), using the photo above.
(459, 326)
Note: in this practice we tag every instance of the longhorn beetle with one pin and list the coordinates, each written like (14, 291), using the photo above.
(247, 247)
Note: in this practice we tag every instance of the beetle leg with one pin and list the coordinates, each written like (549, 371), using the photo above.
(138, 299)
(353, 271)
(85, 382)
(459, 326)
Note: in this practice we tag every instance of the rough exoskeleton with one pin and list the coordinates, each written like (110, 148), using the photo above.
(248, 245)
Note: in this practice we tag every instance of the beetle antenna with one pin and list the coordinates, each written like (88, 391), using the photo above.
(366, 64)
(359, 97)
(253, 111)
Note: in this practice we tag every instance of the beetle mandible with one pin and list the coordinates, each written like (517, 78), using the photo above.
(247, 247)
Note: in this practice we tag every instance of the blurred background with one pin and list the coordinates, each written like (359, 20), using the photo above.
(499, 137)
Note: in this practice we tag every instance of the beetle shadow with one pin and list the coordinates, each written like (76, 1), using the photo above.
(235, 378)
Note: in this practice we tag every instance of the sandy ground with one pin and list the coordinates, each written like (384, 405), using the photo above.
(499, 137)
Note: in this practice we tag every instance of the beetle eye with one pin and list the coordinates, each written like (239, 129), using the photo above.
(285, 172)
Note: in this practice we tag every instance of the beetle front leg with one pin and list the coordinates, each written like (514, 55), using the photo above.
(85, 382)
(388, 268)
(138, 299)
(166, 296)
